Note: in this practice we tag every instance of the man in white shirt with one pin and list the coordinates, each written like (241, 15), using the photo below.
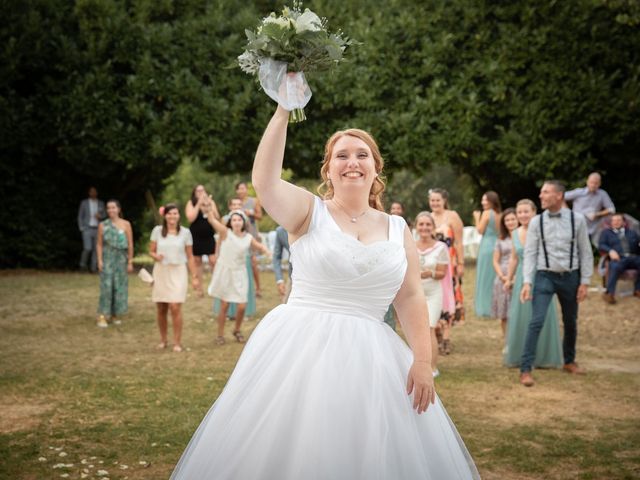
(90, 213)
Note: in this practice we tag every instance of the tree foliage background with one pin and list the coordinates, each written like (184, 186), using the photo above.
(117, 93)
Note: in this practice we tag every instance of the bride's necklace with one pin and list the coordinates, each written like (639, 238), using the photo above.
(354, 219)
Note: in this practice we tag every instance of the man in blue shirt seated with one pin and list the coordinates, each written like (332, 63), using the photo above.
(622, 246)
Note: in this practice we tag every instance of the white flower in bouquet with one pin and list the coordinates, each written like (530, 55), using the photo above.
(280, 21)
(283, 47)
(308, 22)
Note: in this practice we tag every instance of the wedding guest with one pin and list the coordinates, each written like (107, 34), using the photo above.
(172, 249)
(434, 263)
(90, 213)
(487, 223)
(251, 307)
(591, 201)
(622, 246)
(281, 243)
(199, 206)
(114, 249)
(501, 255)
(449, 228)
(558, 254)
(253, 210)
(397, 208)
(390, 317)
(549, 349)
(230, 282)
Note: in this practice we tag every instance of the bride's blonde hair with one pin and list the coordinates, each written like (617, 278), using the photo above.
(377, 188)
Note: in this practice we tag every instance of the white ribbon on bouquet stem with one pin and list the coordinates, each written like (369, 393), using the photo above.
(290, 90)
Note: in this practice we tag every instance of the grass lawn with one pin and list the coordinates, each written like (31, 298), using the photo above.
(76, 399)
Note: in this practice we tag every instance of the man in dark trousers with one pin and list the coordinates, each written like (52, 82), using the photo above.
(281, 243)
(622, 246)
(558, 255)
(90, 213)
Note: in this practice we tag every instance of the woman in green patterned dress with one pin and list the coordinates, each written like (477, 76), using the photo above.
(115, 256)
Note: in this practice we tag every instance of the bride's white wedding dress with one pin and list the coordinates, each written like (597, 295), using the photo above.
(319, 391)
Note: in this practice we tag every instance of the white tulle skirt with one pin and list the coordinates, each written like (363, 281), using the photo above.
(322, 395)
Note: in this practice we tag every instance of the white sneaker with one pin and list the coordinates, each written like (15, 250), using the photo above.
(117, 322)
(102, 322)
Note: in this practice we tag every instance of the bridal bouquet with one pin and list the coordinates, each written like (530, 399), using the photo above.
(285, 46)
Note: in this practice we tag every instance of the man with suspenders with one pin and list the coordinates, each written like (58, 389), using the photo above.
(558, 255)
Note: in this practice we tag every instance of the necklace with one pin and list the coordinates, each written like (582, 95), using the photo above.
(354, 219)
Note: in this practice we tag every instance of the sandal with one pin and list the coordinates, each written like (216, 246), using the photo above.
(161, 345)
(220, 340)
(177, 348)
(239, 336)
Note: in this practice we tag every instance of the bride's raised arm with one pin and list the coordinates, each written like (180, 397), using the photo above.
(288, 205)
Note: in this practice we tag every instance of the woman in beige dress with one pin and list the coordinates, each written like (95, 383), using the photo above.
(171, 248)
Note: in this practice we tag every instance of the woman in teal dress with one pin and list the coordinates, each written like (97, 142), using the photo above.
(114, 248)
(487, 225)
(549, 351)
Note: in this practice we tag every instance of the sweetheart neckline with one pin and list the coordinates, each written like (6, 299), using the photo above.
(360, 242)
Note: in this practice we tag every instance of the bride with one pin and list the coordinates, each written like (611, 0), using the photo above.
(324, 389)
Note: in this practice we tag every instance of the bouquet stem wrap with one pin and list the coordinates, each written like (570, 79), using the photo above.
(289, 89)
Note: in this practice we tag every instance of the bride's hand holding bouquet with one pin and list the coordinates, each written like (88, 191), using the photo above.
(283, 48)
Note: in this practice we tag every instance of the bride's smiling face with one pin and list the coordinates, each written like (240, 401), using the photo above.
(351, 164)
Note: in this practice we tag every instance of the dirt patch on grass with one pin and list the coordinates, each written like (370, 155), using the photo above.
(18, 414)
(544, 405)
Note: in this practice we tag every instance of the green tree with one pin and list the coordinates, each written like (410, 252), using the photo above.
(116, 94)
(112, 94)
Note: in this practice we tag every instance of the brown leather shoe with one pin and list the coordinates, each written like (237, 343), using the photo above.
(574, 369)
(609, 298)
(526, 379)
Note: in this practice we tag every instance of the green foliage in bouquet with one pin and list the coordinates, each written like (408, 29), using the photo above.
(298, 38)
